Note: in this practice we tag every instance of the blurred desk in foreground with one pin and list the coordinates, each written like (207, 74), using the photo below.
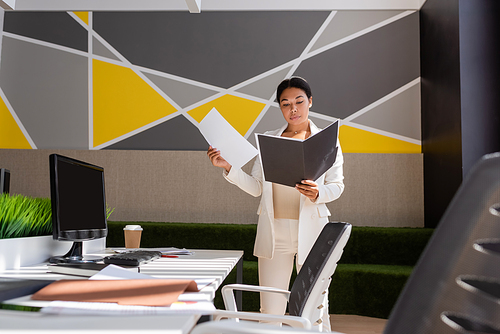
(204, 265)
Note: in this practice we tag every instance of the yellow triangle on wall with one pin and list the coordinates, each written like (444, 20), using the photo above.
(239, 112)
(84, 16)
(11, 135)
(123, 102)
(355, 140)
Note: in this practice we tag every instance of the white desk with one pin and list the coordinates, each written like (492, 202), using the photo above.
(204, 264)
(18, 322)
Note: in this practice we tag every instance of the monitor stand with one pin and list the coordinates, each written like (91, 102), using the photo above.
(75, 255)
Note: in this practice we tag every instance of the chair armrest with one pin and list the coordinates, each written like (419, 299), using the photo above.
(289, 320)
(228, 295)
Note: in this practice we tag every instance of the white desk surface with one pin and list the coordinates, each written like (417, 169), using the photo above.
(213, 265)
(18, 322)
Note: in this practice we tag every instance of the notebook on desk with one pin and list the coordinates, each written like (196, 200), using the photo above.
(146, 292)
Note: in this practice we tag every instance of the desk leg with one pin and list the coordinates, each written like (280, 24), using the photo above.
(239, 280)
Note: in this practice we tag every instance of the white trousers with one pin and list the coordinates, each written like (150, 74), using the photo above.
(277, 271)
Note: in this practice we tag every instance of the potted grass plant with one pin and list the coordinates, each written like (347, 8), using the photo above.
(22, 216)
(26, 231)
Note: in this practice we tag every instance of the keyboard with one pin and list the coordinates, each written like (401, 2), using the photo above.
(132, 258)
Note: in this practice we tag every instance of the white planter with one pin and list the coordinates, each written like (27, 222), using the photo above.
(18, 252)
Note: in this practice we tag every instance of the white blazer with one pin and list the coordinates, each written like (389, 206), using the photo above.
(313, 215)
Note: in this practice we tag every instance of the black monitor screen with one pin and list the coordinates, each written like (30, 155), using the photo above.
(78, 199)
(4, 180)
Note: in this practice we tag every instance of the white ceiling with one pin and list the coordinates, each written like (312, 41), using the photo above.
(197, 6)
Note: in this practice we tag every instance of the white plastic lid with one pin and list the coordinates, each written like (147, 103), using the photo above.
(133, 227)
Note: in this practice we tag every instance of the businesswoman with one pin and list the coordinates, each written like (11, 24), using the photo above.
(290, 219)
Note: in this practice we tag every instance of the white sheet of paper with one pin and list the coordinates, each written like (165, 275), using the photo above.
(221, 135)
(117, 272)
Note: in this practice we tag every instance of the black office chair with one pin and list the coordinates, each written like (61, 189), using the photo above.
(455, 286)
(306, 295)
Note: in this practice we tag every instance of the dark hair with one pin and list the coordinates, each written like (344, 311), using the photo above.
(293, 82)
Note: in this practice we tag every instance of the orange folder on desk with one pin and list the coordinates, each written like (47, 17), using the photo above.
(145, 292)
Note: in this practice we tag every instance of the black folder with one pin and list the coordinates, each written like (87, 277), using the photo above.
(288, 161)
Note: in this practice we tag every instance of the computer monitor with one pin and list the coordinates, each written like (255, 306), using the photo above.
(78, 205)
(4, 180)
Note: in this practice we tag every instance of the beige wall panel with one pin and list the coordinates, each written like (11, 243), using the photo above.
(183, 186)
(381, 190)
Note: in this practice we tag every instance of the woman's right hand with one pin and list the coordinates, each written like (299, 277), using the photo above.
(217, 160)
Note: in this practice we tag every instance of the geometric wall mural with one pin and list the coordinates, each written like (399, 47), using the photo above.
(144, 80)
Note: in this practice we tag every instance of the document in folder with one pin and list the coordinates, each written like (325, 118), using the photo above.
(146, 292)
(288, 161)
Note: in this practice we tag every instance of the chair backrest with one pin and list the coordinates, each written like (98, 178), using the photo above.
(455, 286)
(314, 276)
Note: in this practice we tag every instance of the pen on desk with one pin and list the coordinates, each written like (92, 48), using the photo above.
(171, 256)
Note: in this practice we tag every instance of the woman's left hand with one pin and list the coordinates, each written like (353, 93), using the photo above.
(309, 189)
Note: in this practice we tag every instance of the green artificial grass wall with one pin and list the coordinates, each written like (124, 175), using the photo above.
(367, 245)
(369, 290)
(386, 245)
(189, 235)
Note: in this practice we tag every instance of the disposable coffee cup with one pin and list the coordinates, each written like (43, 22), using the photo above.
(132, 236)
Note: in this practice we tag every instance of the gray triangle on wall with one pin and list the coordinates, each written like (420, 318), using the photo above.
(320, 122)
(177, 133)
(399, 115)
(273, 119)
(265, 87)
(346, 23)
(100, 50)
(182, 93)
